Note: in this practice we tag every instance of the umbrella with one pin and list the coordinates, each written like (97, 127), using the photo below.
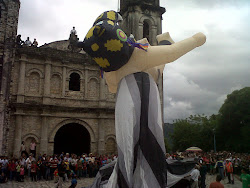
(194, 149)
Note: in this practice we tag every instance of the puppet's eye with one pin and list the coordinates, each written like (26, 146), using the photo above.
(99, 23)
(121, 35)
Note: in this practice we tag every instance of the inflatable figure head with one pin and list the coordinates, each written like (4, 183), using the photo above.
(106, 43)
(116, 54)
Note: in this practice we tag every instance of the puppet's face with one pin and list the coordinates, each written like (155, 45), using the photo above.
(106, 43)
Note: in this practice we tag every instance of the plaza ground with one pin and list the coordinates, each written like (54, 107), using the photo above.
(88, 181)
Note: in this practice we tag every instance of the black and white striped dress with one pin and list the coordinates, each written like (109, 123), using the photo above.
(139, 135)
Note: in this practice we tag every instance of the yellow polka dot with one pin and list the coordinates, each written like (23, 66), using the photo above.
(110, 22)
(90, 33)
(94, 47)
(102, 62)
(113, 45)
(111, 15)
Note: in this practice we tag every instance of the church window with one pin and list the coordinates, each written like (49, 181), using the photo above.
(74, 82)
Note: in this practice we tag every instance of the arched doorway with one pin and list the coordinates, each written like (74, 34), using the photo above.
(72, 138)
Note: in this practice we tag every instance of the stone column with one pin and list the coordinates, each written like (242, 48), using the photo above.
(18, 134)
(153, 35)
(86, 83)
(21, 81)
(64, 81)
(44, 135)
(102, 89)
(140, 31)
(159, 26)
(137, 29)
(82, 87)
(47, 78)
(101, 137)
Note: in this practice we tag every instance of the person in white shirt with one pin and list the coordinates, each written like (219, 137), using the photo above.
(33, 148)
(28, 42)
(28, 163)
(22, 161)
(68, 158)
(23, 150)
(74, 161)
(4, 164)
(91, 158)
(73, 31)
(195, 174)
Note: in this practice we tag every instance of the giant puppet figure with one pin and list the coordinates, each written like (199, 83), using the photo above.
(131, 69)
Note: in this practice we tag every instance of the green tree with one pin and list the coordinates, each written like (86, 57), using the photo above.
(233, 132)
(196, 130)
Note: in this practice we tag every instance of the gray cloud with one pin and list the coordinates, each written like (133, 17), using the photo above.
(199, 82)
(203, 4)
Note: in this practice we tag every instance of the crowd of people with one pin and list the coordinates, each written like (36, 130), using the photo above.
(27, 42)
(63, 167)
(227, 164)
(56, 167)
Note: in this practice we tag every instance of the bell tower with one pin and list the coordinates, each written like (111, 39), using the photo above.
(9, 12)
(142, 18)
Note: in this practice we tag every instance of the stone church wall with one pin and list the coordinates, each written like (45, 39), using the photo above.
(47, 103)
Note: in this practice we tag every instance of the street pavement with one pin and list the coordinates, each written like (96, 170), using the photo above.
(88, 181)
(45, 184)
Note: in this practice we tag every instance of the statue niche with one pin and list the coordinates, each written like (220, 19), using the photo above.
(55, 87)
(93, 88)
(34, 83)
(110, 146)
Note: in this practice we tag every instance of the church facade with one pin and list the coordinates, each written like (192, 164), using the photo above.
(54, 95)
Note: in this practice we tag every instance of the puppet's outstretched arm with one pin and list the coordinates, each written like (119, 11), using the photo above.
(155, 56)
(159, 55)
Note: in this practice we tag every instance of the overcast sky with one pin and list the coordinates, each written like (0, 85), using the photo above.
(198, 82)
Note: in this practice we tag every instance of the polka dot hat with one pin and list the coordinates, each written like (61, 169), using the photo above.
(107, 44)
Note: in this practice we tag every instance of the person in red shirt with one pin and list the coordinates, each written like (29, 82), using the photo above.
(56, 177)
(53, 165)
(22, 173)
(12, 169)
(229, 169)
(33, 170)
(84, 169)
(217, 183)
